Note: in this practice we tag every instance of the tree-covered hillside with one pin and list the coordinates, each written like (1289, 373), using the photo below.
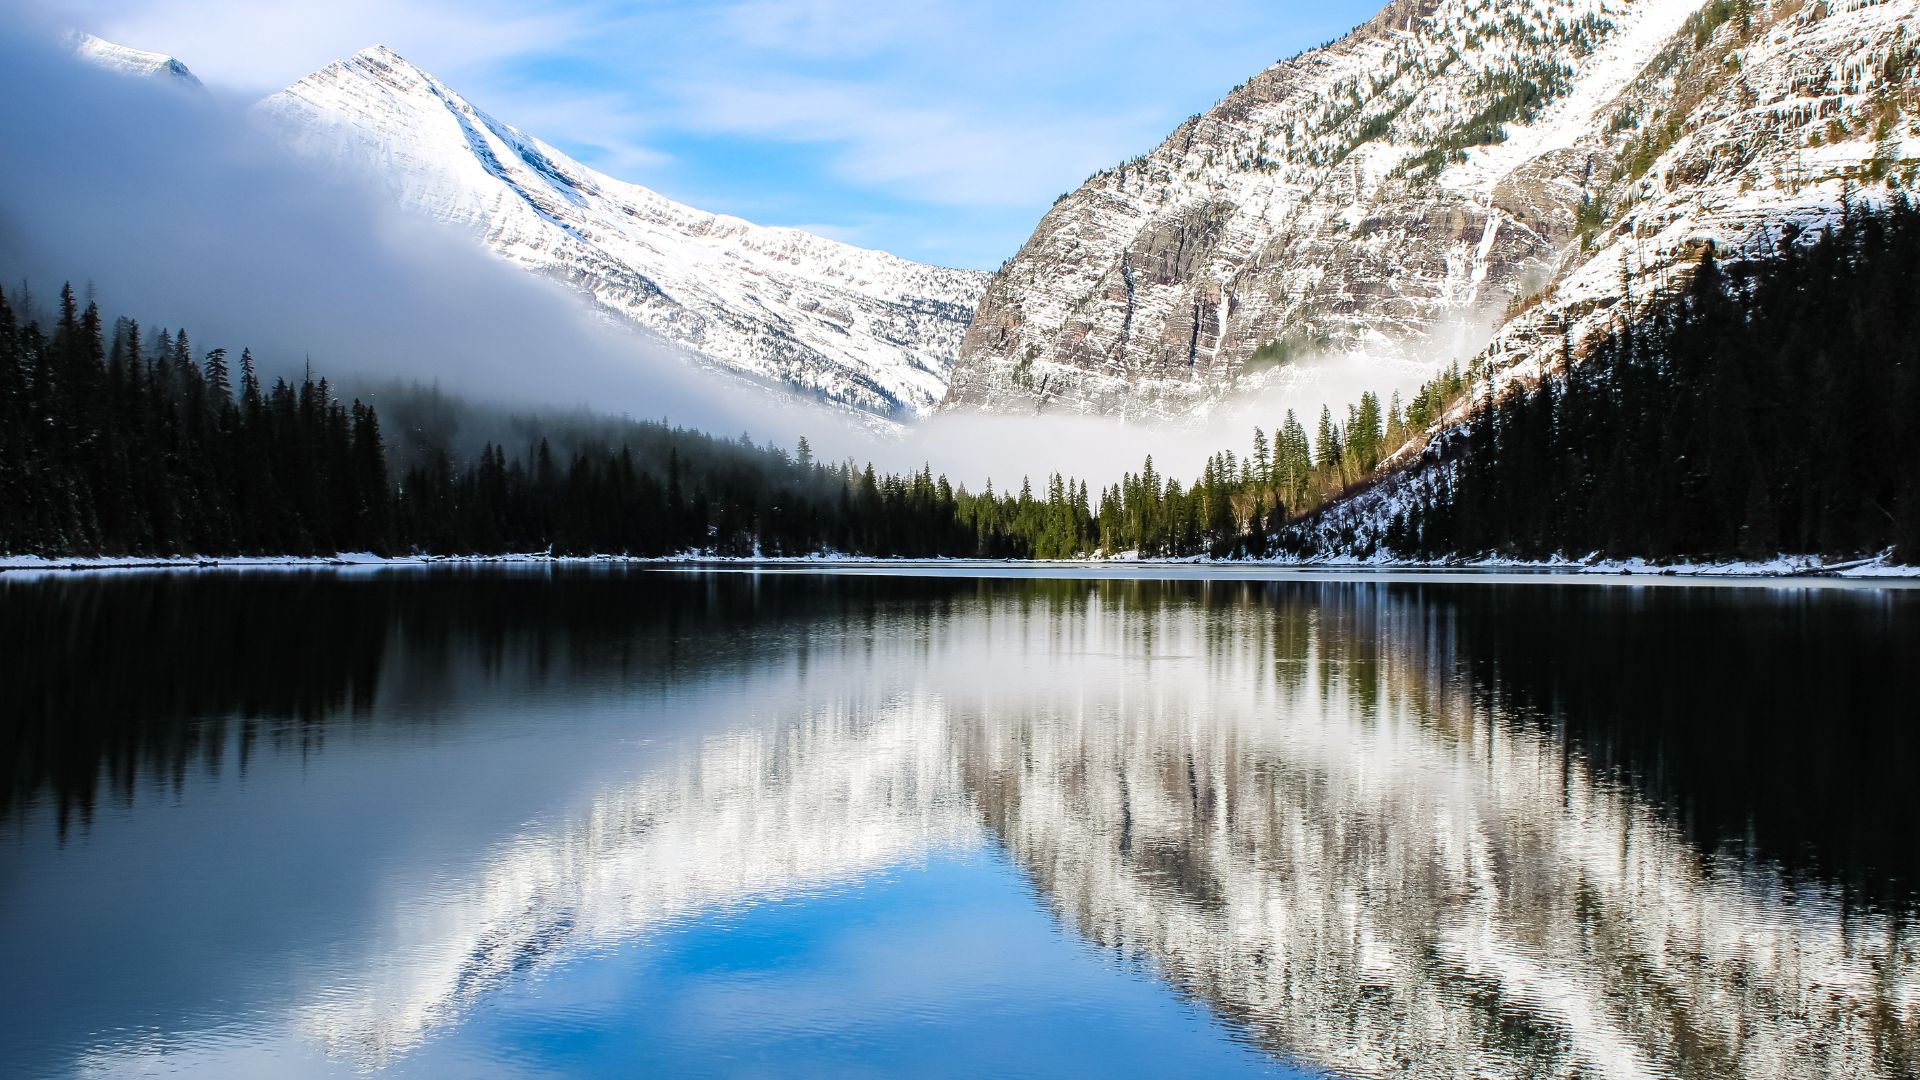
(1771, 407)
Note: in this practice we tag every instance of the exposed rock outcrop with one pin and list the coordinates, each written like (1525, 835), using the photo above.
(1405, 192)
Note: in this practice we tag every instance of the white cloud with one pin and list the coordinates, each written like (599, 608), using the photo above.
(832, 28)
(602, 128)
(184, 211)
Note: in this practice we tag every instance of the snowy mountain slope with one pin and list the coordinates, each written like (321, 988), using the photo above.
(1395, 196)
(859, 328)
(1758, 126)
(1761, 122)
(128, 61)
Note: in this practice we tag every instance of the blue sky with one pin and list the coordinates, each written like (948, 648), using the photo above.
(937, 129)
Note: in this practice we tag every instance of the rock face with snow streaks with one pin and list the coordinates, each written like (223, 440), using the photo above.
(1403, 193)
(1756, 123)
(862, 329)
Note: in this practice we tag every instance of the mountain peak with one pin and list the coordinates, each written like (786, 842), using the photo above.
(383, 56)
(381, 64)
(130, 61)
(865, 330)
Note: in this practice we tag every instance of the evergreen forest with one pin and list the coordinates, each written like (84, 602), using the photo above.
(1770, 406)
(1773, 406)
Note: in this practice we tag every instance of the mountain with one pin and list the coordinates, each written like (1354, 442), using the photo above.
(1451, 173)
(862, 329)
(128, 61)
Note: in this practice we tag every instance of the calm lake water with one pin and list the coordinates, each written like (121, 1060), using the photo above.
(589, 822)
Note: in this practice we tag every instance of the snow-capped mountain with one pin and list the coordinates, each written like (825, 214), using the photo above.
(860, 328)
(1404, 193)
(128, 61)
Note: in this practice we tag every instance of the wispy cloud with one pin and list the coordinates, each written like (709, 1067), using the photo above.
(833, 29)
(951, 153)
(182, 210)
(602, 128)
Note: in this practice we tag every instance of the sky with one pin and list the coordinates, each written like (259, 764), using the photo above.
(940, 130)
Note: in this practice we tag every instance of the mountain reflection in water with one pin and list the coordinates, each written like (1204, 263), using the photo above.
(1419, 830)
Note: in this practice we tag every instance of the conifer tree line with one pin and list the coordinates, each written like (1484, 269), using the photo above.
(1240, 502)
(1773, 407)
(115, 442)
(1770, 408)
(118, 442)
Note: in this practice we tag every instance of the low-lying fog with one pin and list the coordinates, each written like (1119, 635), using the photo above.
(180, 207)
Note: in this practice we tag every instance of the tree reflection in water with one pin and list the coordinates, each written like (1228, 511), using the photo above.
(1423, 830)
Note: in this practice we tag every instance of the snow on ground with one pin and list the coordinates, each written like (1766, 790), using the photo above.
(1778, 566)
(1808, 568)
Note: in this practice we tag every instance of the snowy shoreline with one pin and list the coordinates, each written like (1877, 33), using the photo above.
(1780, 569)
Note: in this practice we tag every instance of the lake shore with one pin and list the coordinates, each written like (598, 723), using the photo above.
(1782, 569)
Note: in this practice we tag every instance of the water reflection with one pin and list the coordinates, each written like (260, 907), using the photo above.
(1323, 830)
(1380, 830)
(751, 816)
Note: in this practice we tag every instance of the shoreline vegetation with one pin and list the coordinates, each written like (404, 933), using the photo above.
(1767, 406)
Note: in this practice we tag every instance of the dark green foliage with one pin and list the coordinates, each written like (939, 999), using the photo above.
(1769, 409)
(1285, 349)
(1513, 96)
(1654, 141)
(132, 446)
(140, 449)
(1592, 216)
(1774, 407)
(1435, 397)
(1704, 22)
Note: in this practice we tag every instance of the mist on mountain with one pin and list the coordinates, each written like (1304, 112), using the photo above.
(183, 206)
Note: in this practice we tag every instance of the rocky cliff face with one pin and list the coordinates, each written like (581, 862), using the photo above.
(1401, 194)
(1755, 124)
(860, 329)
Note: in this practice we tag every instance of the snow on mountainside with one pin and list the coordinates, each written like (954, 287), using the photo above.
(862, 329)
(131, 61)
(1398, 196)
(1755, 127)
(1757, 123)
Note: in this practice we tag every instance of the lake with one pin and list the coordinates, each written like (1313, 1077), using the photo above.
(581, 821)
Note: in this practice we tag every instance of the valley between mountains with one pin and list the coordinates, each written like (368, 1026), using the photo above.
(1457, 200)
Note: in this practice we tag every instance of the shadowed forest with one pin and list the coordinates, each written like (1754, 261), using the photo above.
(1770, 407)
